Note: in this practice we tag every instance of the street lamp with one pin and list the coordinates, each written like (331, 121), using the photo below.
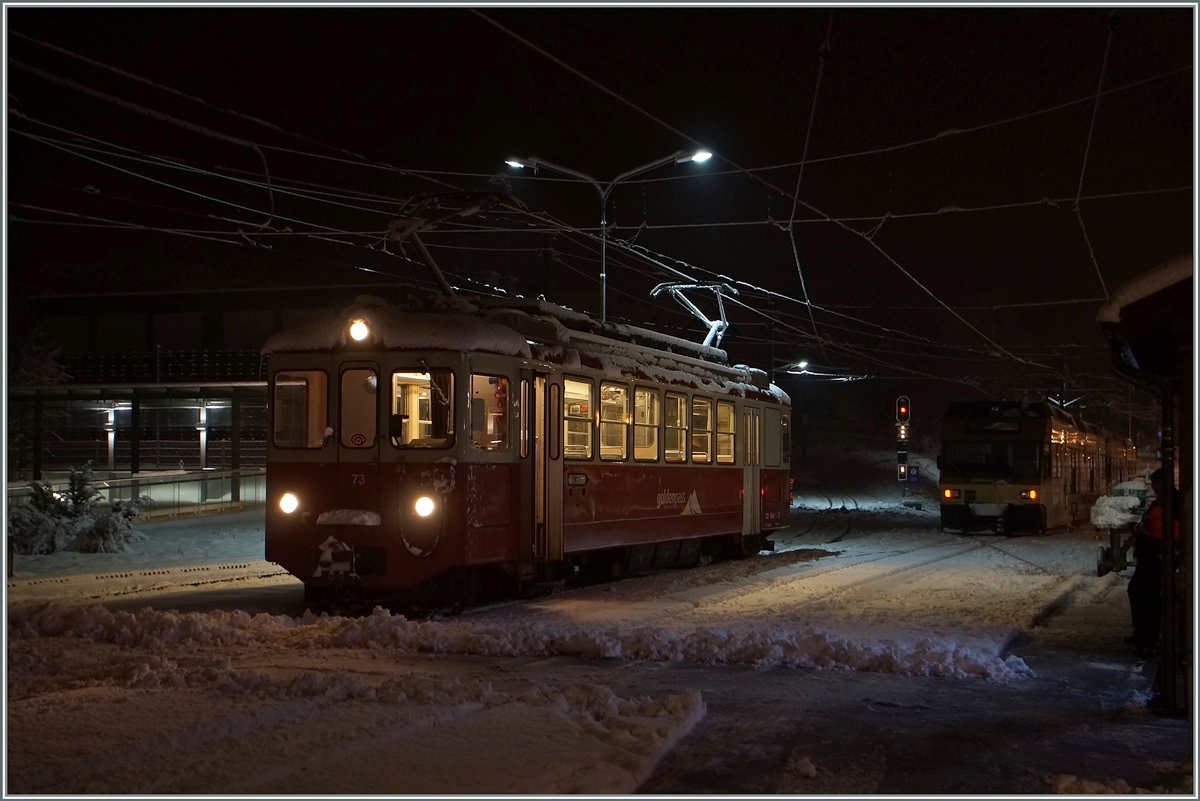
(604, 191)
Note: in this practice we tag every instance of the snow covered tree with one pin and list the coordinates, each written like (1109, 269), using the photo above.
(54, 521)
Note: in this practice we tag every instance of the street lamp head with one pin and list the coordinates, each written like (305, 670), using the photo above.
(516, 163)
(698, 157)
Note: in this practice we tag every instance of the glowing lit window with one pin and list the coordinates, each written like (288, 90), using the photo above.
(701, 430)
(675, 428)
(645, 425)
(614, 421)
(725, 433)
(489, 412)
(577, 418)
(422, 413)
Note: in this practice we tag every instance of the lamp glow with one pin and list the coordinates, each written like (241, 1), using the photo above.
(803, 365)
(288, 503)
(359, 330)
(701, 156)
(424, 506)
(516, 165)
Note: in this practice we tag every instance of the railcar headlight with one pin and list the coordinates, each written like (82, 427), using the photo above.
(288, 503)
(424, 506)
(359, 330)
(950, 493)
(1030, 494)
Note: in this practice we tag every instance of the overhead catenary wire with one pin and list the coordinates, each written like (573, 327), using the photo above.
(158, 115)
(870, 242)
(1112, 24)
(823, 54)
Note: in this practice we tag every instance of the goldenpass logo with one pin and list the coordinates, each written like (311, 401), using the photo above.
(668, 498)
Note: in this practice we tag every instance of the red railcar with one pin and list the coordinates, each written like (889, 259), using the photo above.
(416, 450)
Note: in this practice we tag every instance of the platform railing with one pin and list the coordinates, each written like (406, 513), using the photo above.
(174, 494)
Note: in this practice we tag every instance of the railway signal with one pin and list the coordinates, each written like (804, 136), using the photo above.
(903, 409)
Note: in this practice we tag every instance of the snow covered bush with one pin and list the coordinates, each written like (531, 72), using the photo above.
(69, 520)
(111, 533)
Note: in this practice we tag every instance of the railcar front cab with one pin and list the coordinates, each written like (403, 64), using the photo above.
(364, 487)
(996, 472)
(996, 485)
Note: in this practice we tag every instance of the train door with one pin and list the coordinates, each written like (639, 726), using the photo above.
(357, 436)
(541, 468)
(552, 471)
(751, 481)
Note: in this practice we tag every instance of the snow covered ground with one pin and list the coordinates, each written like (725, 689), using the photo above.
(155, 699)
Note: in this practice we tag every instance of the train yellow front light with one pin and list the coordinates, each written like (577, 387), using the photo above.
(1030, 494)
(359, 330)
(288, 503)
(950, 493)
(424, 506)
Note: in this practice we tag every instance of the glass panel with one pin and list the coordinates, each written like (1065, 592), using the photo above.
(675, 435)
(725, 429)
(614, 421)
(645, 425)
(577, 414)
(301, 408)
(701, 430)
(489, 412)
(524, 435)
(1008, 459)
(787, 437)
(360, 411)
(422, 409)
(772, 433)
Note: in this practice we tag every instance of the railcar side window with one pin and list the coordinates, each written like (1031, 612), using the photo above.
(772, 432)
(360, 409)
(489, 412)
(301, 408)
(725, 429)
(577, 417)
(675, 435)
(614, 421)
(701, 430)
(422, 409)
(645, 425)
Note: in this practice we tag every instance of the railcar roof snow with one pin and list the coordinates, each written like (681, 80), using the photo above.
(393, 328)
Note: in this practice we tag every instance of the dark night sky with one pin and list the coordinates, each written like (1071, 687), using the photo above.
(444, 91)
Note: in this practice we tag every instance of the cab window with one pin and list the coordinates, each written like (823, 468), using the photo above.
(301, 408)
(422, 409)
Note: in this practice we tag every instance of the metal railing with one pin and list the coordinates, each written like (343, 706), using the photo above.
(174, 494)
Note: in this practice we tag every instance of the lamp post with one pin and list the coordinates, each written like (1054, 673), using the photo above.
(604, 190)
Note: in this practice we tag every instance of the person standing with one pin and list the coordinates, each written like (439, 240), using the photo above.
(1145, 586)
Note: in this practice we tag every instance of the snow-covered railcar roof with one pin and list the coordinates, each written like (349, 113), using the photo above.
(660, 370)
(515, 332)
(396, 329)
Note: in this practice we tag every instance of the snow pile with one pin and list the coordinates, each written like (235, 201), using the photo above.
(1173, 778)
(1113, 511)
(770, 644)
(187, 720)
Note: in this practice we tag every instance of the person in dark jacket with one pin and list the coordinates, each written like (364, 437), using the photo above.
(1145, 586)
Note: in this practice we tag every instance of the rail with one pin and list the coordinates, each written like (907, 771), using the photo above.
(174, 494)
